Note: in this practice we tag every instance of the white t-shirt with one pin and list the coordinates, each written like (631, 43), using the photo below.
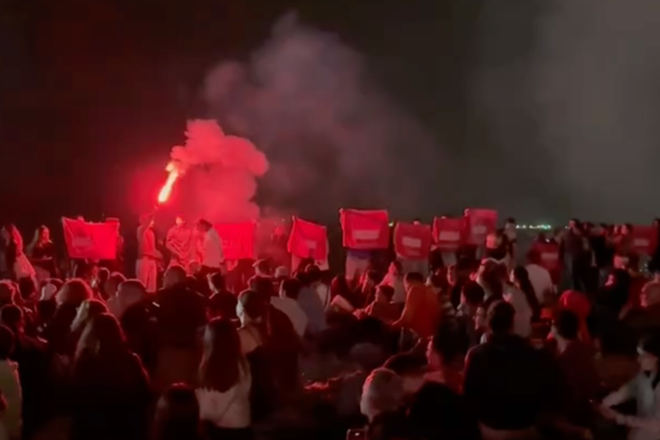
(294, 312)
(540, 279)
(230, 409)
(212, 254)
(522, 322)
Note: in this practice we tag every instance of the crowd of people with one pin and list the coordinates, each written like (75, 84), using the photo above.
(485, 344)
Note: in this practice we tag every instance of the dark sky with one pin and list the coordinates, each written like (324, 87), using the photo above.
(94, 93)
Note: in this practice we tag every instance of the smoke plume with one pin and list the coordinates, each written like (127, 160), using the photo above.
(332, 137)
(220, 173)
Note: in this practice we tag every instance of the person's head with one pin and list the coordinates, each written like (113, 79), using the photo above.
(102, 336)
(222, 358)
(519, 277)
(179, 221)
(382, 393)
(437, 282)
(101, 278)
(626, 229)
(8, 292)
(395, 269)
(112, 284)
(648, 352)
(130, 292)
(410, 368)
(370, 278)
(262, 268)
(42, 234)
(618, 279)
(384, 293)
(574, 224)
(566, 325)
(74, 292)
(452, 275)
(620, 261)
(251, 307)
(7, 340)
(445, 347)
(413, 279)
(177, 414)
(222, 305)
(290, 288)
(632, 266)
(510, 223)
(472, 294)
(314, 273)
(204, 225)
(339, 286)
(11, 316)
(173, 276)
(500, 317)
(217, 282)
(281, 273)
(27, 288)
(147, 220)
(263, 286)
(87, 311)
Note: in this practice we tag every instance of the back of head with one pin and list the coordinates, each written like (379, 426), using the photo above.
(217, 282)
(7, 292)
(405, 364)
(382, 393)
(290, 288)
(414, 278)
(251, 305)
(473, 293)
(263, 286)
(500, 317)
(566, 324)
(113, 282)
(314, 273)
(174, 275)
(27, 288)
(102, 336)
(223, 305)
(12, 316)
(131, 292)
(219, 369)
(177, 414)
(74, 292)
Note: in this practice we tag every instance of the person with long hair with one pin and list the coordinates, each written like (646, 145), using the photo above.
(224, 383)
(42, 254)
(110, 389)
(518, 292)
(520, 279)
(17, 262)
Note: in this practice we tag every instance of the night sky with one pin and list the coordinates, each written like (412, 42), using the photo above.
(94, 93)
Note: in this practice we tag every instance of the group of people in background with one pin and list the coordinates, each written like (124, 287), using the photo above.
(485, 343)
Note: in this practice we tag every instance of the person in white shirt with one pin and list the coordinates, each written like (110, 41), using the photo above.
(224, 382)
(212, 255)
(287, 302)
(539, 277)
(394, 279)
(11, 419)
(148, 256)
(520, 294)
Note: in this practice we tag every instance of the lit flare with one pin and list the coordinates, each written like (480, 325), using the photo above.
(166, 190)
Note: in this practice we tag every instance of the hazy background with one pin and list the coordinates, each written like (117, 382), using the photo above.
(541, 109)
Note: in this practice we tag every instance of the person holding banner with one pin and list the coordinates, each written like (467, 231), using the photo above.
(180, 242)
(148, 256)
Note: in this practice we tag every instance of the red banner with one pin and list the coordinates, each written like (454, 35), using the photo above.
(412, 241)
(479, 223)
(447, 233)
(364, 229)
(238, 239)
(308, 240)
(645, 239)
(94, 241)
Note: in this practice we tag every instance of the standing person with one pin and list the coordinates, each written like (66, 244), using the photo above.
(148, 256)
(213, 256)
(512, 239)
(394, 279)
(180, 242)
(42, 254)
(17, 262)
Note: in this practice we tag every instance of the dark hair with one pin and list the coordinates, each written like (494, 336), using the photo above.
(177, 415)
(510, 220)
(449, 342)
(103, 274)
(27, 287)
(405, 363)
(314, 273)
(220, 368)
(303, 278)
(438, 282)
(633, 262)
(291, 288)
(534, 256)
(102, 331)
(651, 344)
(223, 305)
(263, 286)
(12, 316)
(7, 340)
(373, 276)
(387, 291)
(339, 286)
(500, 317)
(567, 324)
(473, 293)
(414, 277)
(204, 224)
(217, 280)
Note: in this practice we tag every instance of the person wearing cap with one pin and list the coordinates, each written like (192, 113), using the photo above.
(148, 256)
